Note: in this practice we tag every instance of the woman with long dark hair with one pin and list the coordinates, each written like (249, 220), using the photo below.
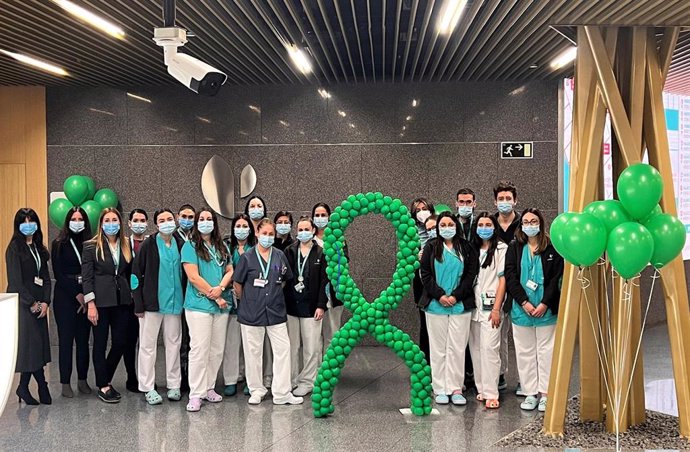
(26, 259)
(68, 299)
(256, 210)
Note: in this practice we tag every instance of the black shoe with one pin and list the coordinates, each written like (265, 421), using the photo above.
(116, 392)
(184, 386)
(24, 394)
(133, 386)
(44, 395)
(109, 396)
(502, 384)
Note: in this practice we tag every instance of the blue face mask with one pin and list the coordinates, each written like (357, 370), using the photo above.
(505, 207)
(447, 232)
(241, 233)
(321, 222)
(28, 228)
(432, 233)
(76, 226)
(205, 227)
(256, 213)
(167, 228)
(465, 211)
(530, 231)
(186, 224)
(266, 241)
(111, 228)
(283, 228)
(138, 228)
(485, 233)
(305, 236)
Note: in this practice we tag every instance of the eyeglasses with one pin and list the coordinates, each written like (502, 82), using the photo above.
(534, 222)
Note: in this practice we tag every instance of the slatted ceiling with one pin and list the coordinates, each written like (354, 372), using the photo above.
(349, 41)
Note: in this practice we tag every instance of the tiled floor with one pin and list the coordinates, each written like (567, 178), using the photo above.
(373, 387)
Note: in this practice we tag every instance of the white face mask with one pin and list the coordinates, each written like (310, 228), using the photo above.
(423, 215)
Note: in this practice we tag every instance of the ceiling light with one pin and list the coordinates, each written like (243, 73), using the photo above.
(342, 113)
(42, 65)
(450, 15)
(415, 102)
(202, 119)
(352, 126)
(285, 123)
(91, 18)
(323, 93)
(518, 90)
(564, 58)
(143, 99)
(103, 112)
(533, 66)
(255, 109)
(409, 118)
(299, 58)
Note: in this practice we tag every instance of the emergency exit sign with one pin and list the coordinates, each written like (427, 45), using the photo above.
(517, 150)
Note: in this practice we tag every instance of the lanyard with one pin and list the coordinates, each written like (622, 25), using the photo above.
(267, 268)
(115, 253)
(214, 255)
(76, 251)
(469, 229)
(300, 264)
(37, 257)
(183, 235)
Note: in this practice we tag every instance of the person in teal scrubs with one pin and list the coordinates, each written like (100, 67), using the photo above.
(533, 273)
(448, 270)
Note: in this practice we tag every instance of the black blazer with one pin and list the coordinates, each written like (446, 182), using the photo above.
(66, 270)
(283, 243)
(145, 270)
(552, 264)
(464, 291)
(315, 280)
(100, 279)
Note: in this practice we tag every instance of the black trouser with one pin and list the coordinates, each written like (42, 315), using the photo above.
(112, 321)
(417, 290)
(72, 328)
(184, 352)
(130, 355)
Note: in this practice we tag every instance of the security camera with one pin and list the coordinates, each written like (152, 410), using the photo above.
(196, 75)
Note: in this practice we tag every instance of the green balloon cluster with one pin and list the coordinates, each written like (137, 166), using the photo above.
(371, 317)
(633, 231)
(81, 191)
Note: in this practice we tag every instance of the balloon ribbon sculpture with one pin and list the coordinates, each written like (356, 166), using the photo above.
(372, 317)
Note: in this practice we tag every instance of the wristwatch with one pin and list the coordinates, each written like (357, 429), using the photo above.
(222, 288)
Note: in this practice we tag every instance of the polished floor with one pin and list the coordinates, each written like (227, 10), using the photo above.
(373, 388)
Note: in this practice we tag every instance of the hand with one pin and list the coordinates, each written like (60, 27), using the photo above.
(495, 317)
(44, 310)
(529, 309)
(35, 307)
(139, 314)
(92, 314)
(452, 300)
(214, 293)
(318, 315)
(539, 311)
(444, 301)
(82, 306)
(222, 303)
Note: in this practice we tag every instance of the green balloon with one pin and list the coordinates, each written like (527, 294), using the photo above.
(611, 212)
(558, 230)
(584, 239)
(92, 187)
(439, 208)
(93, 211)
(669, 237)
(57, 211)
(657, 211)
(630, 248)
(106, 198)
(640, 188)
(76, 189)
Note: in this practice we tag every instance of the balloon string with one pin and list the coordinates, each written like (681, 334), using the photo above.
(604, 262)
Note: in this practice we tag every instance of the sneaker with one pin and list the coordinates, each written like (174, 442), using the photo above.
(529, 404)
(230, 390)
(108, 396)
(153, 398)
(442, 399)
(289, 400)
(458, 399)
(116, 392)
(255, 399)
(301, 391)
(518, 391)
(542, 404)
(502, 383)
(194, 404)
(174, 394)
(212, 396)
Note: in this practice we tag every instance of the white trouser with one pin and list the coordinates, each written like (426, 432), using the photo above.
(506, 328)
(253, 344)
(533, 350)
(149, 327)
(307, 332)
(332, 321)
(485, 347)
(231, 356)
(448, 337)
(207, 342)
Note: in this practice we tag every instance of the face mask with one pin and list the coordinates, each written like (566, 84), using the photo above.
(205, 227)
(167, 228)
(266, 241)
(186, 224)
(485, 233)
(530, 231)
(111, 228)
(305, 236)
(465, 211)
(422, 215)
(76, 226)
(283, 228)
(447, 232)
(321, 222)
(28, 228)
(241, 233)
(505, 207)
(256, 213)
(432, 234)
(138, 228)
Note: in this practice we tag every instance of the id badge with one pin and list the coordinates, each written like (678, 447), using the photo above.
(532, 285)
(79, 279)
(488, 300)
(258, 282)
(299, 287)
(38, 281)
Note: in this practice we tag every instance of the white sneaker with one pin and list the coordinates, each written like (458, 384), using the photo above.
(301, 391)
(542, 404)
(255, 399)
(289, 400)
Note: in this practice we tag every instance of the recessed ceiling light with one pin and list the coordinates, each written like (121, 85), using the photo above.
(284, 123)
(409, 118)
(143, 99)
(564, 58)
(533, 66)
(352, 126)
(342, 113)
(103, 112)
(254, 108)
(323, 93)
(450, 15)
(415, 102)
(202, 119)
(92, 19)
(299, 58)
(40, 64)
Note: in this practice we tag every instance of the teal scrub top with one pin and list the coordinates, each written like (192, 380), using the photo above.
(170, 298)
(531, 269)
(448, 274)
(236, 254)
(212, 272)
